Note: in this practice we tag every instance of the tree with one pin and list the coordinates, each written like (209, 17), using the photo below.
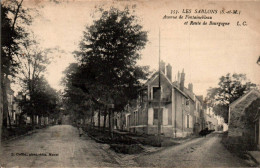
(107, 72)
(108, 52)
(110, 48)
(43, 101)
(230, 88)
(13, 19)
(77, 102)
(32, 62)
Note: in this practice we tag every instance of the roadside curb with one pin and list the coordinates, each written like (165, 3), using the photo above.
(97, 140)
(143, 153)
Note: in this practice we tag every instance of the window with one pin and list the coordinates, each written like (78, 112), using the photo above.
(155, 116)
(155, 93)
(188, 122)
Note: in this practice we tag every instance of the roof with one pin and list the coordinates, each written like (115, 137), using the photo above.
(200, 98)
(154, 75)
(243, 97)
(185, 95)
(190, 94)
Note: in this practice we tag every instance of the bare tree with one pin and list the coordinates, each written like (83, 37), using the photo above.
(32, 62)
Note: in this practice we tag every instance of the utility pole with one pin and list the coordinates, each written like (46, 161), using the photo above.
(159, 110)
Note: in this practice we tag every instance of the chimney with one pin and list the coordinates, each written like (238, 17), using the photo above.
(182, 80)
(178, 78)
(190, 87)
(169, 72)
(162, 66)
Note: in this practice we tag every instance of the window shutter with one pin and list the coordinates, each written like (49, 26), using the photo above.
(185, 119)
(190, 124)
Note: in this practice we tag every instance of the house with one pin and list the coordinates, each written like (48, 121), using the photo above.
(176, 112)
(211, 119)
(200, 111)
(244, 118)
(17, 110)
(212, 122)
(222, 126)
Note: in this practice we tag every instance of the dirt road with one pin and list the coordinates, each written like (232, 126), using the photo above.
(56, 146)
(61, 146)
(199, 152)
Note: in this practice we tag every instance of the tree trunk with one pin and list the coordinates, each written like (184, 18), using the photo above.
(9, 119)
(112, 123)
(92, 116)
(99, 118)
(105, 119)
(5, 101)
(20, 120)
(91, 120)
(41, 121)
(109, 121)
(32, 120)
(84, 120)
(1, 109)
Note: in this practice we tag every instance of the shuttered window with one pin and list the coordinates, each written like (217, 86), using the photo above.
(155, 115)
(188, 122)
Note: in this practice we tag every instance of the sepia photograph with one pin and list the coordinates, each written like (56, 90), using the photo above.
(130, 83)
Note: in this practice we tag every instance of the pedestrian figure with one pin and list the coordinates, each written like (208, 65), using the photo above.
(80, 131)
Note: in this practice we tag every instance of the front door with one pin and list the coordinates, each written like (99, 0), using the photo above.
(158, 116)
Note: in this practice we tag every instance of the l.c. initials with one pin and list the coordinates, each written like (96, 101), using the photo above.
(241, 24)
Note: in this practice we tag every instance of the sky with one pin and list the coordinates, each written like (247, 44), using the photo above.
(205, 52)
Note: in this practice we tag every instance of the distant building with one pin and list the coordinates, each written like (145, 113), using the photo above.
(211, 119)
(222, 126)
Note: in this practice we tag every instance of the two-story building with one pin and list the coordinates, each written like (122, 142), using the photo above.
(176, 112)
